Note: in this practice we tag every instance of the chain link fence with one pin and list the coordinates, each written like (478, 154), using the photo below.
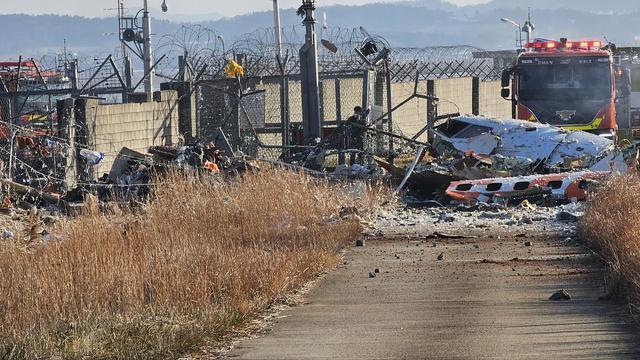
(251, 110)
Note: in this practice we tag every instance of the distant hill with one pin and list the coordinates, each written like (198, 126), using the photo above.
(188, 18)
(433, 22)
(38, 35)
(410, 23)
(592, 6)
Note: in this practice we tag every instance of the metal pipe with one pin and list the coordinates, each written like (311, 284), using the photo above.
(19, 72)
(11, 151)
(411, 169)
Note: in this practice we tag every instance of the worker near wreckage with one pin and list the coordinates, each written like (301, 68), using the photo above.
(355, 131)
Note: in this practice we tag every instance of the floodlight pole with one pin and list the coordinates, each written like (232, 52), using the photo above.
(311, 122)
(518, 31)
(148, 56)
(276, 25)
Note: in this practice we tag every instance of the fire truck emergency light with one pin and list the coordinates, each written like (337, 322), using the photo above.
(541, 45)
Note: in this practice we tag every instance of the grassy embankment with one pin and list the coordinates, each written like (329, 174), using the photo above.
(200, 261)
(611, 226)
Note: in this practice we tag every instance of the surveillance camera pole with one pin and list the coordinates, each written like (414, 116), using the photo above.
(148, 56)
(126, 59)
(276, 25)
(528, 27)
(309, 70)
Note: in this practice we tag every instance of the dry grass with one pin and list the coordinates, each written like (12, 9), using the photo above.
(203, 258)
(611, 225)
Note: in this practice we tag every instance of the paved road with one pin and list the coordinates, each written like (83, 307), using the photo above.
(458, 308)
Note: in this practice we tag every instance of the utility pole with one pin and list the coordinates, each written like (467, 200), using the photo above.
(126, 59)
(309, 71)
(148, 56)
(276, 24)
(282, 64)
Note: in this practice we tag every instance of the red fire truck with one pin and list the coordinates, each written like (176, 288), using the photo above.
(570, 84)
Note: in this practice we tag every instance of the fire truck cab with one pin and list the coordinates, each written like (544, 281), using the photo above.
(570, 84)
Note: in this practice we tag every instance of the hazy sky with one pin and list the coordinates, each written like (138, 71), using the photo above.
(97, 8)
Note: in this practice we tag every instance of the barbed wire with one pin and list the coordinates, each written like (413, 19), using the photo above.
(257, 51)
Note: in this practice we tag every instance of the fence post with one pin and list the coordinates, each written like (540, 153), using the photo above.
(432, 110)
(475, 96)
(341, 157)
(284, 110)
(389, 109)
(379, 106)
(321, 104)
(368, 99)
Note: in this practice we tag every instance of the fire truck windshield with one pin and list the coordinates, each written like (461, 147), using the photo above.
(565, 79)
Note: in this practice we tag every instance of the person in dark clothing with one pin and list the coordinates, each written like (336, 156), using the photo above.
(355, 131)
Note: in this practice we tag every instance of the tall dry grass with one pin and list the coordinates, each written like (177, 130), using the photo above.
(611, 225)
(203, 258)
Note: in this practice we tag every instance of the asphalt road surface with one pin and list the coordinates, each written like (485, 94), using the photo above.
(487, 299)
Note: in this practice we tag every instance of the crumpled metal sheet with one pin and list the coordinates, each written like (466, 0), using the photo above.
(480, 144)
(579, 144)
(524, 142)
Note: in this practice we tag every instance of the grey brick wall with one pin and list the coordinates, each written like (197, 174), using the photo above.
(135, 126)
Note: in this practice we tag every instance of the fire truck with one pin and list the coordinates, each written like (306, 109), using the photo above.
(570, 84)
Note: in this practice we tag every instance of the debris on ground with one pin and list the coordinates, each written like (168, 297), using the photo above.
(566, 216)
(560, 295)
(478, 160)
(523, 147)
(510, 172)
(444, 217)
(439, 235)
(7, 234)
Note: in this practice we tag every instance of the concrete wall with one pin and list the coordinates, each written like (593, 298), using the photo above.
(411, 117)
(135, 126)
(457, 95)
(491, 103)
